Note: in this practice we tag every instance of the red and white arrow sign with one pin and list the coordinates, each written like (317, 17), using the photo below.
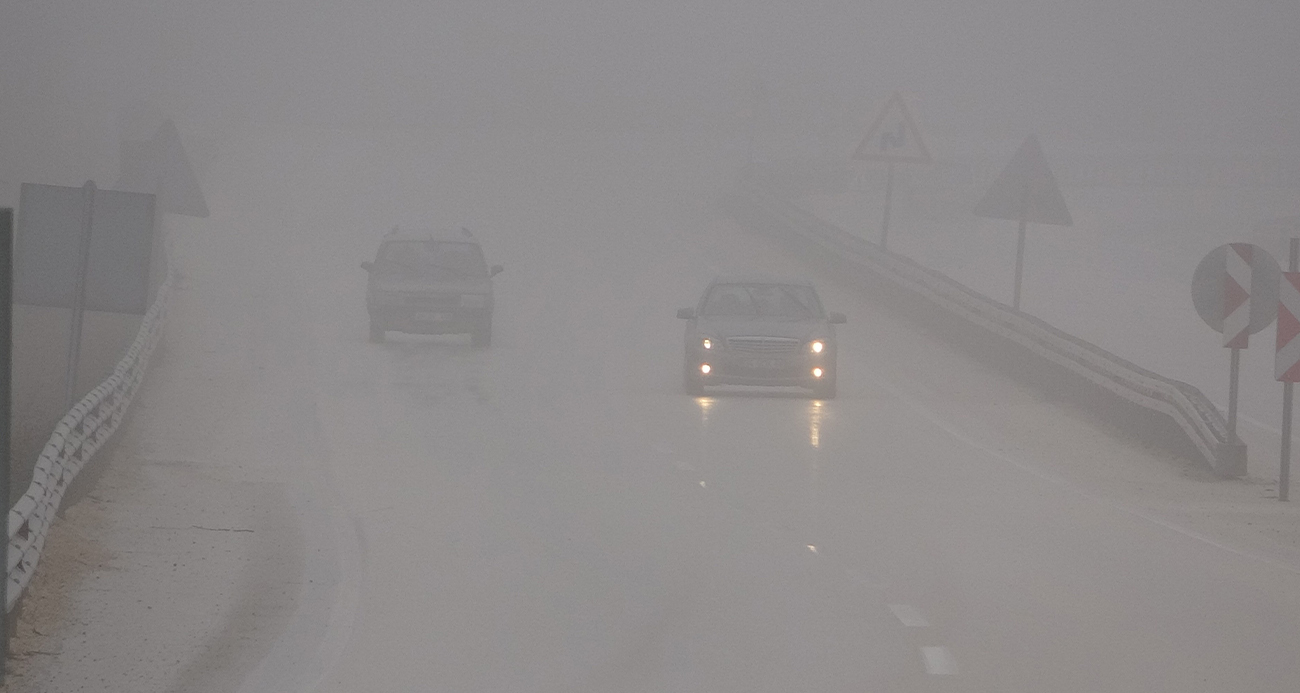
(1236, 296)
(1287, 368)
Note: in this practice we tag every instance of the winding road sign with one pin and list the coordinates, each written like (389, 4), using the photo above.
(894, 136)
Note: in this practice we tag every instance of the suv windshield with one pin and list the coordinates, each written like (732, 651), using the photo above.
(782, 301)
(433, 257)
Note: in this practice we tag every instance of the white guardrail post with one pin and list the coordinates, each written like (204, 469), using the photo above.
(76, 438)
(1199, 419)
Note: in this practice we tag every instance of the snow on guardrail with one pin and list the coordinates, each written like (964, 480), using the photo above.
(76, 438)
(1195, 414)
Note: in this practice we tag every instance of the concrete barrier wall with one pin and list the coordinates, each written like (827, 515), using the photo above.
(79, 434)
(1198, 418)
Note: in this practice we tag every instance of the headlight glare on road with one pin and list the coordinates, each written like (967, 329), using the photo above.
(817, 346)
(817, 372)
(705, 368)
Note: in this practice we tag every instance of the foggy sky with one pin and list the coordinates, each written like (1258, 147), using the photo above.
(1183, 74)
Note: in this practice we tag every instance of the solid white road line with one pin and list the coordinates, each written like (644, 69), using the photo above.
(1058, 480)
(939, 661)
(909, 615)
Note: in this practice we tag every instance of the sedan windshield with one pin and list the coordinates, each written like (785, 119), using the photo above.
(782, 301)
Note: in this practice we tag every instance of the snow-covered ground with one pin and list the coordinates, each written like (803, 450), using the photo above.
(294, 508)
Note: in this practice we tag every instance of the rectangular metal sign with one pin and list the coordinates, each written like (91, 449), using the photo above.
(47, 248)
(46, 245)
(121, 247)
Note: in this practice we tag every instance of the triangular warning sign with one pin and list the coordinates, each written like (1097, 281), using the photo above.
(894, 136)
(160, 166)
(1026, 190)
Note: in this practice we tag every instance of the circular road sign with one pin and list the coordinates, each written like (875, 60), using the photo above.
(1208, 282)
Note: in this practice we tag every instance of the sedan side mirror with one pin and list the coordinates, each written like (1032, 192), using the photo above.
(837, 318)
(367, 266)
(497, 269)
(685, 313)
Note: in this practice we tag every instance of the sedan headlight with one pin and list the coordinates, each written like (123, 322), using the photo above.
(817, 346)
(473, 301)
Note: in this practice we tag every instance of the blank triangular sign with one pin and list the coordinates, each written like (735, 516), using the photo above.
(139, 167)
(894, 136)
(1026, 190)
(160, 166)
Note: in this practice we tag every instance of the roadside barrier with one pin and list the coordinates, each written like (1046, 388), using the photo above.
(1199, 419)
(76, 438)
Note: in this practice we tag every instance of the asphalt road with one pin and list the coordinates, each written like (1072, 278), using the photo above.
(553, 514)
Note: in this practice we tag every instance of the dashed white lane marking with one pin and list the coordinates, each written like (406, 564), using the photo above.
(939, 661)
(909, 616)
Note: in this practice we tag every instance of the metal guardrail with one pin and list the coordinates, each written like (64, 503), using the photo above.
(1202, 422)
(76, 438)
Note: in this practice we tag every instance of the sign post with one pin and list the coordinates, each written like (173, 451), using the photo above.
(79, 293)
(1236, 317)
(893, 138)
(1020, 248)
(1287, 365)
(758, 97)
(6, 402)
(1025, 192)
(889, 196)
(1235, 291)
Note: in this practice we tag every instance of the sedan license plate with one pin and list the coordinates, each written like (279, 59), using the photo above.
(762, 364)
(430, 317)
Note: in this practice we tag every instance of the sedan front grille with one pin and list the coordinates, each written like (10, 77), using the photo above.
(763, 345)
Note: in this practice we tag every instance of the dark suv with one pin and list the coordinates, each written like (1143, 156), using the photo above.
(760, 332)
(430, 282)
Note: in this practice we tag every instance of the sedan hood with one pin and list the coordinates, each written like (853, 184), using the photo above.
(736, 327)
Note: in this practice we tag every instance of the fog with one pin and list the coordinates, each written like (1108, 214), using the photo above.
(1186, 75)
(295, 507)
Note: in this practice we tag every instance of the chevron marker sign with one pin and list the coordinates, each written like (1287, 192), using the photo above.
(1234, 291)
(1236, 296)
(1287, 368)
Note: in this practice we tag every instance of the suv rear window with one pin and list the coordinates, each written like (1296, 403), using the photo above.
(454, 257)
